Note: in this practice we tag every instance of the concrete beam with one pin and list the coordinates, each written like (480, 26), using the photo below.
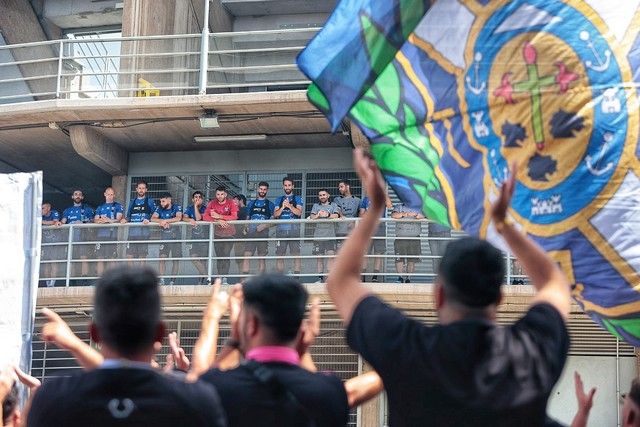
(96, 148)
(358, 138)
(19, 24)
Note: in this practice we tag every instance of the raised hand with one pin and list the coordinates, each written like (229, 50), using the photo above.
(310, 328)
(370, 176)
(500, 206)
(57, 331)
(180, 359)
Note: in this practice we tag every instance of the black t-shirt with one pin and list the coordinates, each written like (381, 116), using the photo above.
(248, 402)
(467, 373)
(125, 397)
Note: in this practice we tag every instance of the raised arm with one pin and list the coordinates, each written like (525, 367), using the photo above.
(362, 388)
(343, 282)
(204, 351)
(58, 332)
(585, 402)
(551, 284)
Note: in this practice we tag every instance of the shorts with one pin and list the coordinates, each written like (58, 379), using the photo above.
(378, 246)
(198, 249)
(171, 250)
(294, 245)
(106, 250)
(322, 247)
(261, 247)
(405, 248)
(340, 239)
(137, 250)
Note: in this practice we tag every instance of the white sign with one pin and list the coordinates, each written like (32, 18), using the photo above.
(20, 230)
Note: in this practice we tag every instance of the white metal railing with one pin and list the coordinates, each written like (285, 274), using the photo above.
(153, 65)
(77, 254)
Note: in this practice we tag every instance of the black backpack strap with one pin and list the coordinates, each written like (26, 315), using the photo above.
(265, 376)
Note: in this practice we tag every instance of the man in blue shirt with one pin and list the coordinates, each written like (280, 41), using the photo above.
(288, 206)
(140, 210)
(110, 212)
(199, 248)
(379, 245)
(80, 213)
(259, 209)
(165, 215)
(50, 218)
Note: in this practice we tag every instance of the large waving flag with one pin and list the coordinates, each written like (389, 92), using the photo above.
(450, 93)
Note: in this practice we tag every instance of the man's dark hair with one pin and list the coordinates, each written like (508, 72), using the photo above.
(142, 181)
(344, 181)
(634, 392)
(77, 189)
(46, 202)
(472, 271)
(323, 189)
(263, 184)
(197, 192)
(287, 178)
(221, 188)
(165, 195)
(10, 404)
(279, 301)
(127, 308)
(241, 197)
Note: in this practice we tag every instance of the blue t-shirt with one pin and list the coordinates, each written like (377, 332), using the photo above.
(82, 213)
(173, 230)
(259, 210)
(111, 211)
(199, 231)
(51, 235)
(138, 212)
(287, 214)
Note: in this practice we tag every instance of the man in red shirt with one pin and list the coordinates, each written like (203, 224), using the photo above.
(221, 210)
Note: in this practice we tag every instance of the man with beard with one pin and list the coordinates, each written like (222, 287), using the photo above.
(220, 210)
(259, 209)
(140, 210)
(198, 249)
(80, 213)
(165, 215)
(349, 208)
(324, 232)
(288, 206)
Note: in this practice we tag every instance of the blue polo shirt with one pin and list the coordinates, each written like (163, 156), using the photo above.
(174, 230)
(199, 231)
(287, 214)
(111, 211)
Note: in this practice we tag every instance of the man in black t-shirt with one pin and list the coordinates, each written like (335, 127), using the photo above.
(466, 370)
(271, 388)
(125, 390)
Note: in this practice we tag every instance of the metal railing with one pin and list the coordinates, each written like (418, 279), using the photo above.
(153, 65)
(76, 254)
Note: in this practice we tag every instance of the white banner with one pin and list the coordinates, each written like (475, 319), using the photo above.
(20, 232)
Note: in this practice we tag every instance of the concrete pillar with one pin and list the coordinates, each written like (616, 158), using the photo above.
(152, 17)
(19, 24)
(370, 411)
(119, 185)
(95, 147)
(357, 137)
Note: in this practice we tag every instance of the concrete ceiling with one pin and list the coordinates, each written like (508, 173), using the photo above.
(33, 137)
(277, 7)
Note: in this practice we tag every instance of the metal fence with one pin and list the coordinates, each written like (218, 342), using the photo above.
(186, 254)
(153, 65)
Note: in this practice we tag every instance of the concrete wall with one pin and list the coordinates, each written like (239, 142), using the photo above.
(596, 371)
(84, 13)
(205, 162)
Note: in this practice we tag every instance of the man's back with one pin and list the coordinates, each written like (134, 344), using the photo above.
(125, 397)
(469, 372)
(248, 402)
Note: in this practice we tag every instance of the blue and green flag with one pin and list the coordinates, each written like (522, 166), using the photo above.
(450, 93)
